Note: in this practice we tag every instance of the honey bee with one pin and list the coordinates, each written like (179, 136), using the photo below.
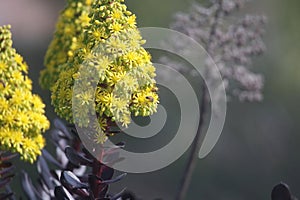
(155, 89)
(151, 99)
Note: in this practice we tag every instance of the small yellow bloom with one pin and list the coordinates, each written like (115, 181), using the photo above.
(100, 137)
(131, 20)
(116, 27)
(85, 97)
(18, 59)
(88, 2)
(3, 66)
(69, 13)
(117, 14)
(17, 76)
(84, 19)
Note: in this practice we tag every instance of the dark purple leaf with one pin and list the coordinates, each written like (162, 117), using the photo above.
(4, 182)
(107, 172)
(118, 196)
(127, 195)
(6, 170)
(61, 126)
(88, 154)
(8, 157)
(68, 178)
(56, 137)
(5, 164)
(116, 179)
(75, 158)
(4, 196)
(28, 187)
(60, 193)
(50, 158)
(54, 174)
(103, 191)
(99, 190)
(45, 172)
(74, 132)
(281, 192)
(121, 144)
(40, 188)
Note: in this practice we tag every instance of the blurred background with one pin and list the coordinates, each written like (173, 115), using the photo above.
(260, 143)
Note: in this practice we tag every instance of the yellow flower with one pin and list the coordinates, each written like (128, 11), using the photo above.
(18, 59)
(145, 102)
(97, 33)
(85, 97)
(17, 76)
(3, 105)
(37, 103)
(116, 27)
(100, 137)
(84, 19)
(116, 14)
(88, 2)
(22, 118)
(3, 66)
(71, 23)
(16, 140)
(30, 149)
(131, 20)
(69, 13)
(17, 97)
(114, 77)
(110, 48)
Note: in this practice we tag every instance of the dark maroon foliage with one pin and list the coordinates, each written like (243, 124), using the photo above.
(74, 173)
(282, 192)
(6, 174)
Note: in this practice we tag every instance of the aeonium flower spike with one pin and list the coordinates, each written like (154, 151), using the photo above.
(111, 50)
(22, 118)
(71, 23)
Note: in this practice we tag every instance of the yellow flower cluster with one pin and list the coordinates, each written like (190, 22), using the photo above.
(70, 25)
(22, 116)
(110, 56)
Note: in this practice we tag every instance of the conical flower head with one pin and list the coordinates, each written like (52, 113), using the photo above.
(22, 116)
(111, 50)
(69, 27)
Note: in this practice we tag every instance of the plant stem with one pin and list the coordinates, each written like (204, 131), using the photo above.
(205, 102)
(196, 145)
